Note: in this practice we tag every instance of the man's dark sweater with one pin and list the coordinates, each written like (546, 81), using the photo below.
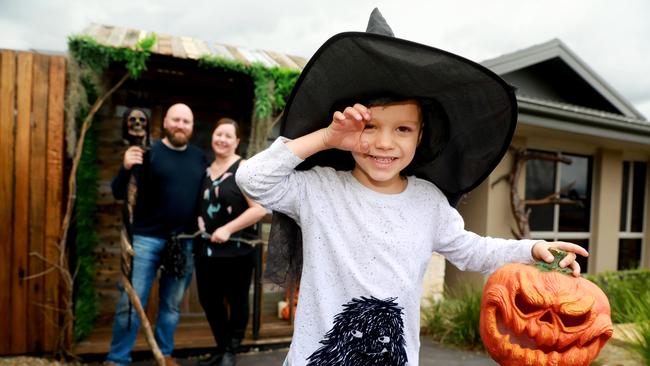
(168, 188)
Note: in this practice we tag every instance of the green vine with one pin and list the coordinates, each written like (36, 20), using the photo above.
(98, 57)
(92, 59)
(272, 85)
(85, 304)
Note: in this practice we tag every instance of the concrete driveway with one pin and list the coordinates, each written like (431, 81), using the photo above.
(430, 354)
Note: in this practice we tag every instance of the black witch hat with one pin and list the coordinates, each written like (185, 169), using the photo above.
(477, 108)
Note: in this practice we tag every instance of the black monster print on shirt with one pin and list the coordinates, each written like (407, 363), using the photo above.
(369, 332)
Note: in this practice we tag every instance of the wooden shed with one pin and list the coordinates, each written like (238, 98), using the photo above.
(174, 75)
(34, 168)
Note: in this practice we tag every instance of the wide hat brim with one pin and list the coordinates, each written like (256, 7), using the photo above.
(480, 108)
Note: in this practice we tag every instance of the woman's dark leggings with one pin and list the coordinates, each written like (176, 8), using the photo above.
(223, 284)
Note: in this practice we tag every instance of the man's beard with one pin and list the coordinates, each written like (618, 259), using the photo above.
(178, 139)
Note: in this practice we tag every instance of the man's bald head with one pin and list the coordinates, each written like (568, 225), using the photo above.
(178, 125)
(180, 108)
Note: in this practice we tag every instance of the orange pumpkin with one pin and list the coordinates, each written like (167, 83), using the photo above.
(284, 313)
(538, 315)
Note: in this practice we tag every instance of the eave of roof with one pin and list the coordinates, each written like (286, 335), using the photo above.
(576, 119)
(556, 48)
(190, 48)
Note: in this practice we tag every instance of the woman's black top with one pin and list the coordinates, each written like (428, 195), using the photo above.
(220, 202)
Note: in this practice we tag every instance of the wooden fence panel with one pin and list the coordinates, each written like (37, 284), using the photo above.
(35, 315)
(32, 88)
(19, 291)
(54, 196)
(7, 124)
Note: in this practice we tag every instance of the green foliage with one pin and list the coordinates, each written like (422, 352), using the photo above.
(225, 64)
(642, 348)
(85, 298)
(285, 79)
(629, 298)
(93, 58)
(264, 100)
(623, 289)
(98, 57)
(455, 320)
(272, 85)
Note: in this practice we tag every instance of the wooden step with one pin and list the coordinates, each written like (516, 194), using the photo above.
(191, 333)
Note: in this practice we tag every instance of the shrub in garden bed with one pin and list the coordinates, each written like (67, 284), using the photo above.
(628, 293)
(455, 320)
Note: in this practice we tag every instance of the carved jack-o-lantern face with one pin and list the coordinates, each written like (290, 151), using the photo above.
(529, 317)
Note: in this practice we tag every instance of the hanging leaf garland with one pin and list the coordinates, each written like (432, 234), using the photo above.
(272, 86)
(94, 58)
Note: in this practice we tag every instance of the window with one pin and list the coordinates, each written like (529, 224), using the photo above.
(632, 215)
(569, 222)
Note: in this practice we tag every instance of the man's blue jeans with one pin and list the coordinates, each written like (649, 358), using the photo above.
(148, 251)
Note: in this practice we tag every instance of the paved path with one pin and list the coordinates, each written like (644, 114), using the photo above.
(430, 354)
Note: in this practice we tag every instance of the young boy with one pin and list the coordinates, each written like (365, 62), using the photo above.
(368, 233)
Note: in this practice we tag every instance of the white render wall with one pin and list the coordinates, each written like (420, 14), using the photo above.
(434, 280)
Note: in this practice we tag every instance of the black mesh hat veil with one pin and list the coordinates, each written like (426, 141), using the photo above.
(476, 107)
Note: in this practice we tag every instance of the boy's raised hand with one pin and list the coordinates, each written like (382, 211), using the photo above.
(345, 131)
(541, 251)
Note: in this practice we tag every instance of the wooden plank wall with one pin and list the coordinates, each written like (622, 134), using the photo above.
(32, 88)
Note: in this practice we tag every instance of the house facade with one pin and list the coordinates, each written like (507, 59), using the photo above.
(566, 110)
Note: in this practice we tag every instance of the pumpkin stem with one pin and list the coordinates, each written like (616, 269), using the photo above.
(558, 255)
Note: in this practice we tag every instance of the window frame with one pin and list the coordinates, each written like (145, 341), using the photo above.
(555, 233)
(628, 233)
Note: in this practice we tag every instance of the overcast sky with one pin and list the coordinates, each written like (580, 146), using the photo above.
(611, 36)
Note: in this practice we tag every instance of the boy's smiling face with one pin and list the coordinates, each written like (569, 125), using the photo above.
(392, 134)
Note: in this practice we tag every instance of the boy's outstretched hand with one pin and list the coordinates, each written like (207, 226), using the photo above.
(345, 131)
(541, 251)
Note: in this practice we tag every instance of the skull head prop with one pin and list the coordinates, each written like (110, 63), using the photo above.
(532, 317)
(135, 127)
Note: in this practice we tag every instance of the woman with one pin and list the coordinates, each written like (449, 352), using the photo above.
(224, 263)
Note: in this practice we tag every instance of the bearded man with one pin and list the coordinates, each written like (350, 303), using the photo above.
(168, 184)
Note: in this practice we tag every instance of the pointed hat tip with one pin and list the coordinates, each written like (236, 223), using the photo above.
(377, 24)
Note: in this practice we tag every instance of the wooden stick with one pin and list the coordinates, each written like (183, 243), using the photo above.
(133, 297)
(72, 181)
(65, 338)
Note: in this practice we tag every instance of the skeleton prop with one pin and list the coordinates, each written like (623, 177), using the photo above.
(135, 132)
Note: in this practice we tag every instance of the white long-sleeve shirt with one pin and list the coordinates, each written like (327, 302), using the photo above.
(364, 257)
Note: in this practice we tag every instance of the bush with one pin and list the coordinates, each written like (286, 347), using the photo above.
(629, 297)
(624, 289)
(455, 320)
(642, 348)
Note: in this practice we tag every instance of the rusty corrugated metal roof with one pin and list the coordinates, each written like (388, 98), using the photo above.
(190, 48)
